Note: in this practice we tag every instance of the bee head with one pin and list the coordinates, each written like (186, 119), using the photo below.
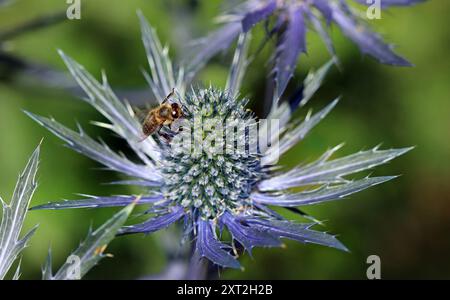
(176, 111)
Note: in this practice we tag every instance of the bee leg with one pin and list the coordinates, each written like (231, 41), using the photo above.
(167, 138)
(168, 96)
(171, 131)
(169, 134)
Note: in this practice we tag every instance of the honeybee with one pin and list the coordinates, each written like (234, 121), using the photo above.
(164, 114)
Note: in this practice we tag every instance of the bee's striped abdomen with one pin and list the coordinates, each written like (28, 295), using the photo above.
(150, 125)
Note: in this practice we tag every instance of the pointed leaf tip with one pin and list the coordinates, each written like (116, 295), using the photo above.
(90, 251)
(13, 216)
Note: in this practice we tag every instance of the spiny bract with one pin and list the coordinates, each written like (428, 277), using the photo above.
(288, 21)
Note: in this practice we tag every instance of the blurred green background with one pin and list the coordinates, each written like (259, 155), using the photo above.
(406, 221)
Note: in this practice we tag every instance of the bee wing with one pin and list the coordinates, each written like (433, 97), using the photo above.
(141, 113)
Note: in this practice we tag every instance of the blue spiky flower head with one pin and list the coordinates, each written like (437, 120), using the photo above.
(200, 178)
(211, 175)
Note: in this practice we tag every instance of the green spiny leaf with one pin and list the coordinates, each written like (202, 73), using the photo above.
(90, 251)
(14, 215)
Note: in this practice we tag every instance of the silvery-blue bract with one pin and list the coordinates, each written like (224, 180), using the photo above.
(291, 20)
(208, 192)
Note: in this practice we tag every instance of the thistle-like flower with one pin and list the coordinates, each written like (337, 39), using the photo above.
(206, 179)
(292, 18)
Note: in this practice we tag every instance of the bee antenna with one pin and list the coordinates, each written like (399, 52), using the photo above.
(169, 96)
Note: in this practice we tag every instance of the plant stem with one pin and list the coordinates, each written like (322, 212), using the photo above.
(198, 267)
